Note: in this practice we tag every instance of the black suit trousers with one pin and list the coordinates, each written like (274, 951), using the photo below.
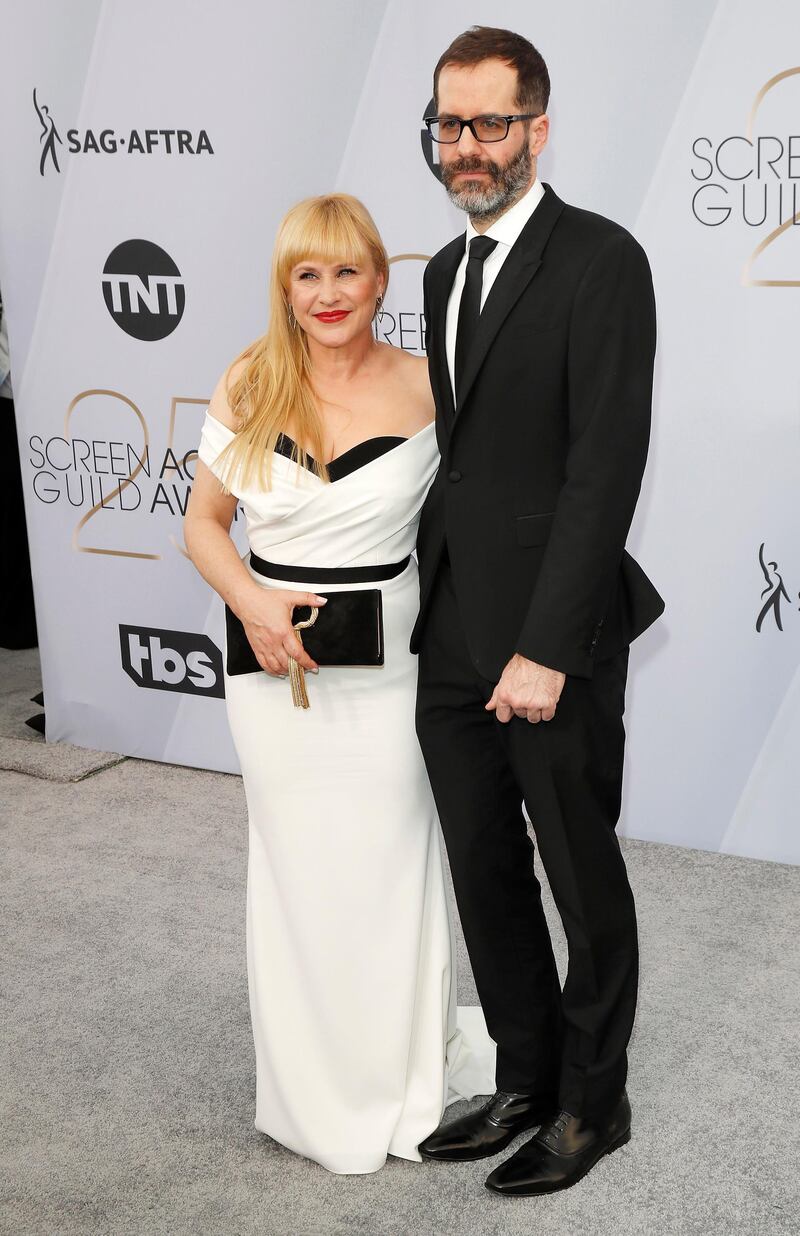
(568, 1045)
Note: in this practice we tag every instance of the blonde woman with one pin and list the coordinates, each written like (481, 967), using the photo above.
(326, 437)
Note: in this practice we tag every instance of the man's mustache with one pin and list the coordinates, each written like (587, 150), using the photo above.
(473, 164)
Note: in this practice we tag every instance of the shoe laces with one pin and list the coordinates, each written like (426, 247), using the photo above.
(556, 1127)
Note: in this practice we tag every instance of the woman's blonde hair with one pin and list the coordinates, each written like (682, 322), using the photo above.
(276, 387)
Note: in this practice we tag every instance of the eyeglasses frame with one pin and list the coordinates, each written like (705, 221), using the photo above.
(470, 124)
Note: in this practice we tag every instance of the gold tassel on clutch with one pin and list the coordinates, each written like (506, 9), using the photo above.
(297, 675)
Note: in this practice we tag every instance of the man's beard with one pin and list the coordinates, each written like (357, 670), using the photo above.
(487, 202)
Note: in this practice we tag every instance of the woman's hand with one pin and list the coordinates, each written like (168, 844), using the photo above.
(265, 613)
(266, 616)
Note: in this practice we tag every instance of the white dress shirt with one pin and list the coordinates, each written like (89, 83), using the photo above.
(505, 231)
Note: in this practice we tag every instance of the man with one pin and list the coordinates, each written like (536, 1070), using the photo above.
(541, 338)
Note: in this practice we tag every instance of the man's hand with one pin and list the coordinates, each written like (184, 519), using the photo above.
(527, 689)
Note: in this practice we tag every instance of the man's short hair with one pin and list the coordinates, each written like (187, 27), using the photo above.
(489, 43)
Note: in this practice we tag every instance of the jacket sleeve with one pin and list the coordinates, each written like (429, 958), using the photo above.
(610, 358)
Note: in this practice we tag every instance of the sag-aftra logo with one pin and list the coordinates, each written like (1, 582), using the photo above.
(109, 141)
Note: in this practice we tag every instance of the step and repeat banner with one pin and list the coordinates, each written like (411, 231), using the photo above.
(148, 153)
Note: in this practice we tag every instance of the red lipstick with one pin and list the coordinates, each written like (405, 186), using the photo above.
(336, 315)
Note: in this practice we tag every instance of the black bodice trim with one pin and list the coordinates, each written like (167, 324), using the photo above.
(350, 461)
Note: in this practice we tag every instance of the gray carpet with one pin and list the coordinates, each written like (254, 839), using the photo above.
(127, 1087)
(59, 761)
(24, 750)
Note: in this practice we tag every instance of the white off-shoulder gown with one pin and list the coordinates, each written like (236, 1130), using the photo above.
(358, 1042)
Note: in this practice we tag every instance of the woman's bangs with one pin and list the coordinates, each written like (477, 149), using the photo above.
(326, 238)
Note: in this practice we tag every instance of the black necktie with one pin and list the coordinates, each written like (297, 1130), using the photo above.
(469, 310)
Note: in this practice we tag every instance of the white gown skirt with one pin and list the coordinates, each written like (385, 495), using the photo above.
(349, 943)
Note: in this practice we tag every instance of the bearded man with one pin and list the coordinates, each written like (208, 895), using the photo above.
(541, 340)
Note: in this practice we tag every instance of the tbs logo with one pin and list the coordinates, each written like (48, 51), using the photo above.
(172, 661)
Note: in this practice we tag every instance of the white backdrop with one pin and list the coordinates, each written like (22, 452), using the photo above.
(141, 188)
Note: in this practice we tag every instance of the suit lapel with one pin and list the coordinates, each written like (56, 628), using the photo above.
(445, 272)
(515, 274)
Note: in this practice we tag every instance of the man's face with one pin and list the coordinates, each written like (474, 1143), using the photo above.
(485, 178)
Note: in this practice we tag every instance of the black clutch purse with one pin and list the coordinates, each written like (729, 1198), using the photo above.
(347, 631)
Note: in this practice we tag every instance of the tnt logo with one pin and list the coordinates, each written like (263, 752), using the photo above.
(429, 147)
(143, 290)
(172, 661)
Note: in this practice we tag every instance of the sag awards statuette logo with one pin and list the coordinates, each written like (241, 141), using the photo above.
(110, 141)
(143, 290)
(182, 661)
(774, 595)
(750, 178)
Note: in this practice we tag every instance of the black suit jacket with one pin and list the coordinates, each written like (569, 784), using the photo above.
(542, 461)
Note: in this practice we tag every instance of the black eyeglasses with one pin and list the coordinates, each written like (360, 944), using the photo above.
(448, 129)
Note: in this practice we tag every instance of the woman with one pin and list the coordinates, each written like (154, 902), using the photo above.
(326, 436)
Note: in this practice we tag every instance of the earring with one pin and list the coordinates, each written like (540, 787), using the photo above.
(292, 318)
(379, 306)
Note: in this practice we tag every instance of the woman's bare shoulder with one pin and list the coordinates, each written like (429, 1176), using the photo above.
(219, 405)
(418, 374)
(405, 361)
(412, 371)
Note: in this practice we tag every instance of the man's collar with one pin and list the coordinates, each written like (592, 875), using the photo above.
(507, 228)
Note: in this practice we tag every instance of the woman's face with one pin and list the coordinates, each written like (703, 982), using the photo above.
(334, 303)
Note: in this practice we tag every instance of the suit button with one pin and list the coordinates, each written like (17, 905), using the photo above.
(455, 475)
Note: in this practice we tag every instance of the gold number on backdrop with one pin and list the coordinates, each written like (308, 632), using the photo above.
(124, 483)
(747, 278)
(176, 400)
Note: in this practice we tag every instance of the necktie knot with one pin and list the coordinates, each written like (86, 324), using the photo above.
(480, 247)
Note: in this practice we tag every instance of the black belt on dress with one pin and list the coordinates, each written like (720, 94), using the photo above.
(328, 575)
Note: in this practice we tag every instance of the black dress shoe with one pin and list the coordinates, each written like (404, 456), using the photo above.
(562, 1152)
(488, 1130)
